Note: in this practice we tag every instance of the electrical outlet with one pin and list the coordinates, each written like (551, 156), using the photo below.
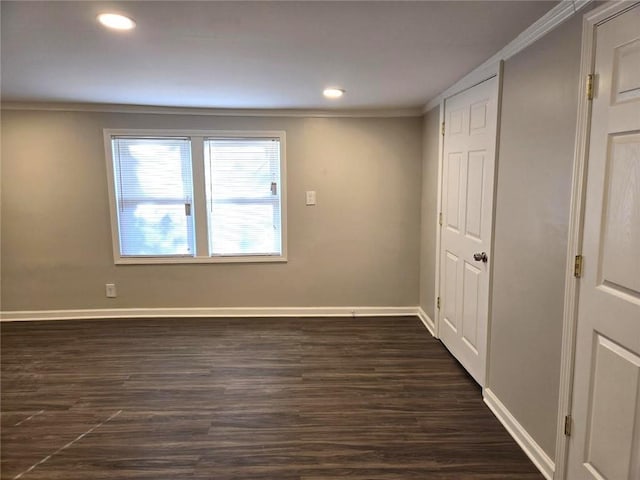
(111, 290)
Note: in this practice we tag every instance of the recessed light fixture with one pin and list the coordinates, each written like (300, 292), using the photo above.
(333, 92)
(116, 21)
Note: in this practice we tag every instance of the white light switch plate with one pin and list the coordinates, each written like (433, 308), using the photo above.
(111, 290)
(311, 197)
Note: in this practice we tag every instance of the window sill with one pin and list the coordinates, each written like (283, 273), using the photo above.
(193, 260)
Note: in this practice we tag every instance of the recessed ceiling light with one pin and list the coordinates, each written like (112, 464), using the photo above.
(116, 21)
(333, 92)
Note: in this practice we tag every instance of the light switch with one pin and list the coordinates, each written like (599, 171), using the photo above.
(311, 197)
(111, 290)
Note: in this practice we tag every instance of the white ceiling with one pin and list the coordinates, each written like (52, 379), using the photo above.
(239, 54)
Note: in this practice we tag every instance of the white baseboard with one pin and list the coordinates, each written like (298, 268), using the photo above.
(520, 435)
(431, 326)
(86, 314)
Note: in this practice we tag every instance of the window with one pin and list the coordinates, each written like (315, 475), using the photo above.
(185, 197)
(153, 188)
(242, 195)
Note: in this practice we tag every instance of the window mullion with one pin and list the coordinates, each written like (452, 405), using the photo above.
(199, 197)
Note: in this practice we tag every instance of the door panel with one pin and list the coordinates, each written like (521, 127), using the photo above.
(470, 305)
(456, 121)
(605, 442)
(626, 85)
(475, 184)
(478, 113)
(450, 299)
(453, 191)
(610, 441)
(621, 222)
(467, 204)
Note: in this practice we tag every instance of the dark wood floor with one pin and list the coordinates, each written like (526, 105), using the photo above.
(270, 399)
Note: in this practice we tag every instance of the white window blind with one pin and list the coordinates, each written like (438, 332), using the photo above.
(243, 196)
(154, 192)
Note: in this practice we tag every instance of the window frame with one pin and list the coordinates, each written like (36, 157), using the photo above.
(199, 212)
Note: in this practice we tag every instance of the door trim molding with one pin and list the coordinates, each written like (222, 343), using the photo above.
(436, 293)
(535, 453)
(208, 312)
(494, 197)
(496, 72)
(576, 223)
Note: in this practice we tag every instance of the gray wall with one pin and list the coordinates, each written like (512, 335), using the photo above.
(539, 111)
(430, 159)
(537, 131)
(359, 245)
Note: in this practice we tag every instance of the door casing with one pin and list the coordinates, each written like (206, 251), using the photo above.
(495, 71)
(591, 20)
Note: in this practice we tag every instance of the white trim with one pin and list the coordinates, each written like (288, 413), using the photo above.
(554, 17)
(217, 112)
(477, 76)
(535, 453)
(494, 71)
(169, 132)
(208, 312)
(498, 75)
(494, 196)
(574, 246)
(436, 312)
(201, 233)
(546, 23)
(183, 260)
(426, 320)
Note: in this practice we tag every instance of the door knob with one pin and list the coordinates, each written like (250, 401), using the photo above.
(481, 257)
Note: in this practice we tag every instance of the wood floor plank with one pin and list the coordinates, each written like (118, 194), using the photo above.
(289, 398)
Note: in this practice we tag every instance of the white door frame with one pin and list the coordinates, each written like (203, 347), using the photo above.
(493, 70)
(576, 223)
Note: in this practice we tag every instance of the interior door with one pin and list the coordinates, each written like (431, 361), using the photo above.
(467, 211)
(605, 442)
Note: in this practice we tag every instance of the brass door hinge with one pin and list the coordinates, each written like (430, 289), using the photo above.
(590, 80)
(442, 129)
(440, 218)
(577, 266)
(438, 303)
(567, 425)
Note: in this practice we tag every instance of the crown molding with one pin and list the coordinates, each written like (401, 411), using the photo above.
(564, 10)
(554, 17)
(218, 112)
